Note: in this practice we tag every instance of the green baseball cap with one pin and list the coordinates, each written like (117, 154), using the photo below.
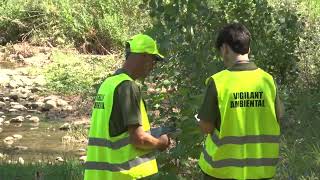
(142, 43)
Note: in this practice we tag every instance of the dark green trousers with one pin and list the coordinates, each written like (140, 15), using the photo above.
(207, 177)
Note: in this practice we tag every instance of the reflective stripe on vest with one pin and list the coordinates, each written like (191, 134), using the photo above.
(239, 162)
(247, 145)
(109, 144)
(245, 139)
(115, 157)
(121, 166)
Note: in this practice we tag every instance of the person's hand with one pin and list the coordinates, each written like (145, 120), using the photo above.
(164, 142)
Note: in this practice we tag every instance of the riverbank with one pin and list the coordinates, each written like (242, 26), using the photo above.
(38, 124)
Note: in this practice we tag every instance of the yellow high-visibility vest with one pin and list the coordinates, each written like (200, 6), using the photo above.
(247, 144)
(114, 158)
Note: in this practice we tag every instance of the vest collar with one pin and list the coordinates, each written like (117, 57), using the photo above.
(120, 71)
(243, 67)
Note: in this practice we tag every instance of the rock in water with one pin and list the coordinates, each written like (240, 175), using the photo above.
(21, 148)
(34, 119)
(8, 140)
(17, 136)
(17, 119)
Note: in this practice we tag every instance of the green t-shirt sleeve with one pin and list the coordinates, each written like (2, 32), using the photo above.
(279, 107)
(209, 110)
(129, 97)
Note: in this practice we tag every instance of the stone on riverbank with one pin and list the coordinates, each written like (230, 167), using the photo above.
(20, 160)
(50, 104)
(19, 107)
(2, 104)
(1, 120)
(65, 126)
(17, 119)
(82, 150)
(14, 96)
(83, 158)
(59, 159)
(13, 111)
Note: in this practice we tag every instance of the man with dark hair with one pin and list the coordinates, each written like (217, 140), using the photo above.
(120, 144)
(240, 114)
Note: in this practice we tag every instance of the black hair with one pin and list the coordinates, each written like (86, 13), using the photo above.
(237, 36)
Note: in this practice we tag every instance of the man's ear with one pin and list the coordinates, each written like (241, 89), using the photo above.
(227, 48)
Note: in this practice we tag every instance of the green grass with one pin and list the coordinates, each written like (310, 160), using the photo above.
(71, 73)
(62, 171)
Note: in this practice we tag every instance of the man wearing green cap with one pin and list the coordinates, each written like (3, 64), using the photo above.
(120, 144)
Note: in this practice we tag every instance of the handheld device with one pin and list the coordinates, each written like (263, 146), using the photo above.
(169, 130)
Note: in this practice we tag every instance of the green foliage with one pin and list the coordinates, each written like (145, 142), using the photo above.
(72, 170)
(74, 74)
(300, 145)
(92, 26)
(285, 41)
